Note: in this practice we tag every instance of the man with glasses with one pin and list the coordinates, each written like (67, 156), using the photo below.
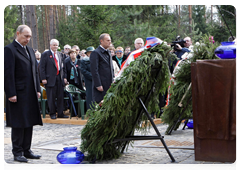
(66, 50)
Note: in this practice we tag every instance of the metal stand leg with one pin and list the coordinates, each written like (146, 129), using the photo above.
(179, 118)
(156, 130)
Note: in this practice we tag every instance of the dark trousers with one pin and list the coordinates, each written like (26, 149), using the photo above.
(54, 92)
(21, 140)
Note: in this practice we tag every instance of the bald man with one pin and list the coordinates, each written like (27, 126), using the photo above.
(22, 88)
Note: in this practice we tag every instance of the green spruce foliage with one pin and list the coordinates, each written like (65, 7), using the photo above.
(116, 118)
(10, 19)
(203, 51)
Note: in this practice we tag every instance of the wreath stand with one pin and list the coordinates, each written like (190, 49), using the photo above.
(144, 110)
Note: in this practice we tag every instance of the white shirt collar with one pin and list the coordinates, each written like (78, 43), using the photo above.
(53, 52)
(103, 47)
(19, 43)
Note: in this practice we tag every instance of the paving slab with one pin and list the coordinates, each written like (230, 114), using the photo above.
(48, 140)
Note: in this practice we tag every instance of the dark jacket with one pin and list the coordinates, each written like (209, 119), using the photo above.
(85, 69)
(48, 68)
(67, 72)
(21, 80)
(102, 72)
(123, 59)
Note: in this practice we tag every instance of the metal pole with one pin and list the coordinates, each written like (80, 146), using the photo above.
(225, 21)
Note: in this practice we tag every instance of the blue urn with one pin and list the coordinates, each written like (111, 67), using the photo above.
(190, 124)
(70, 155)
(227, 50)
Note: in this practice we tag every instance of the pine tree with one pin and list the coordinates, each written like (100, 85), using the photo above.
(195, 35)
(10, 19)
(92, 22)
(198, 13)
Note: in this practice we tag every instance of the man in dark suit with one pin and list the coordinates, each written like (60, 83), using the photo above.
(22, 88)
(101, 68)
(51, 74)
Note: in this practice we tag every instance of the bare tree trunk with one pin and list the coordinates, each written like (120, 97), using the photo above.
(190, 18)
(51, 21)
(36, 20)
(236, 16)
(178, 27)
(22, 14)
(64, 13)
(28, 22)
(47, 28)
(54, 21)
(33, 27)
(44, 38)
(58, 16)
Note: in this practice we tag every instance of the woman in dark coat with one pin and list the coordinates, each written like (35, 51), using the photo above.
(72, 73)
(85, 69)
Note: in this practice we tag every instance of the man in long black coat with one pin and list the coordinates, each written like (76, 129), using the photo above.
(51, 74)
(22, 88)
(101, 68)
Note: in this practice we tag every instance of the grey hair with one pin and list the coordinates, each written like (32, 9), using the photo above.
(138, 39)
(38, 53)
(67, 46)
(20, 28)
(54, 41)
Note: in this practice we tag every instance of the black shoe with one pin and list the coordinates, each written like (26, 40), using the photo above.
(20, 159)
(53, 117)
(63, 116)
(30, 155)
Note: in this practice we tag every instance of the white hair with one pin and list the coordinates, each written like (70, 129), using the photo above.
(67, 46)
(138, 39)
(54, 41)
(38, 53)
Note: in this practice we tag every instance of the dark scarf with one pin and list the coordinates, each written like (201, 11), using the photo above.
(74, 71)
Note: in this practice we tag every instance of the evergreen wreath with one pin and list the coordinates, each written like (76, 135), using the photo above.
(203, 51)
(115, 118)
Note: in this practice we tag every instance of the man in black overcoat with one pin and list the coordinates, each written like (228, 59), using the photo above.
(52, 76)
(101, 68)
(22, 88)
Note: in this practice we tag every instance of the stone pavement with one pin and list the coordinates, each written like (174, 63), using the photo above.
(49, 139)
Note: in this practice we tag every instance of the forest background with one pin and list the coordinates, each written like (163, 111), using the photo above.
(82, 24)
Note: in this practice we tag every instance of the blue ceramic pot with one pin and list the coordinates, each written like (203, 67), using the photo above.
(70, 155)
(227, 50)
(190, 124)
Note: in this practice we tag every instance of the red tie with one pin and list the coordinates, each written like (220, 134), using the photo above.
(56, 63)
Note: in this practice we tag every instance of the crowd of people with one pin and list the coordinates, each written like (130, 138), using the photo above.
(88, 69)
(92, 70)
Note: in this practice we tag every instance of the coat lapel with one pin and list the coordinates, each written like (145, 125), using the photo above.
(51, 58)
(104, 57)
(20, 49)
(59, 59)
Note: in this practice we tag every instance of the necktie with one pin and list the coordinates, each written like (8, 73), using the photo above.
(26, 51)
(56, 62)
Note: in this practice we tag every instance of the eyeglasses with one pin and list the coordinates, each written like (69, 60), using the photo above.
(118, 53)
